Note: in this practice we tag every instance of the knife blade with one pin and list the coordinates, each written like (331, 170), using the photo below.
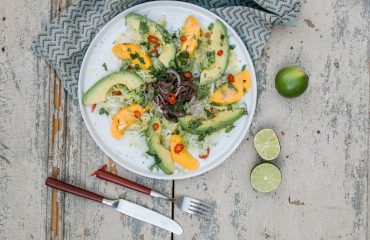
(145, 215)
(121, 205)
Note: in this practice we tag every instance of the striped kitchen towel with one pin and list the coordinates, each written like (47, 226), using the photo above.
(64, 41)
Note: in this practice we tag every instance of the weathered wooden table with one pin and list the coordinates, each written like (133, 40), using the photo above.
(324, 136)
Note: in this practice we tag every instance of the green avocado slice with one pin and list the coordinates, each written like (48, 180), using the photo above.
(97, 93)
(198, 126)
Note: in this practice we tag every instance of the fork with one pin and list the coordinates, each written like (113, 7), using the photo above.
(187, 204)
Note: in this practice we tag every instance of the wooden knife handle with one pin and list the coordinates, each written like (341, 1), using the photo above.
(122, 181)
(54, 183)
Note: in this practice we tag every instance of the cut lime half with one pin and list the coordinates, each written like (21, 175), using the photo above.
(267, 144)
(265, 177)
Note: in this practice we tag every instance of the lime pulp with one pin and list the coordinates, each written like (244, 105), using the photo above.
(265, 177)
(267, 144)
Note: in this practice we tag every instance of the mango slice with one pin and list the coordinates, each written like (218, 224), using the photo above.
(134, 53)
(125, 117)
(183, 158)
(231, 94)
(191, 31)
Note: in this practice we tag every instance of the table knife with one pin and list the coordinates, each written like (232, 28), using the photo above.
(120, 205)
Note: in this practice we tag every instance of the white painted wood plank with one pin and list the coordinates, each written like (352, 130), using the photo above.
(324, 136)
(24, 83)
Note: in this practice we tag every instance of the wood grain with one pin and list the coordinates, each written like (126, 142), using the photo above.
(324, 136)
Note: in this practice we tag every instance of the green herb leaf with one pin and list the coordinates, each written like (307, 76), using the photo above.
(229, 107)
(103, 111)
(202, 91)
(210, 26)
(244, 67)
(229, 128)
(105, 66)
(143, 28)
(208, 113)
(222, 37)
(211, 55)
(231, 47)
(124, 65)
(195, 123)
(134, 55)
(230, 85)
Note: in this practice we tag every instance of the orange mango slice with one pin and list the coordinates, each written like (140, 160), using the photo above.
(192, 32)
(125, 117)
(134, 53)
(183, 158)
(226, 94)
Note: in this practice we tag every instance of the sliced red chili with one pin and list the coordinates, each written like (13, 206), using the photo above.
(205, 155)
(171, 98)
(152, 39)
(137, 114)
(188, 75)
(179, 147)
(154, 51)
(220, 52)
(183, 38)
(230, 78)
(93, 107)
(208, 34)
(155, 126)
(116, 93)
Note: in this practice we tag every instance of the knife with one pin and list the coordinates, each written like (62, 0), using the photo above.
(120, 205)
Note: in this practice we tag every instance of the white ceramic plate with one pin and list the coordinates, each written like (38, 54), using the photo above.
(130, 152)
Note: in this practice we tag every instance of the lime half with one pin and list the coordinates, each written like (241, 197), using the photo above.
(265, 177)
(267, 144)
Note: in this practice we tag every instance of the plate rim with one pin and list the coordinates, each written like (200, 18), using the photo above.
(250, 114)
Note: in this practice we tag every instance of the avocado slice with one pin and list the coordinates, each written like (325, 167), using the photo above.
(143, 27)
(198, 126)
(218, 42)
(153, 139)
(98, 92)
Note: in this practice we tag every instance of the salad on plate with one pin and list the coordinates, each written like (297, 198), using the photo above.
(180, 90)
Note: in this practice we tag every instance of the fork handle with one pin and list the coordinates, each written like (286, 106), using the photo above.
(54, 183)
(110, 177)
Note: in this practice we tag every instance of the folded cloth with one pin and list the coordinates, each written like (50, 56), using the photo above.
(64, 41)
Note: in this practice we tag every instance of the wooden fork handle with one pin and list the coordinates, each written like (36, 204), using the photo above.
(110, 177)
(54, 183)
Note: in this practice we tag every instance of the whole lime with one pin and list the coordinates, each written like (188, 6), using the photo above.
(291, 81)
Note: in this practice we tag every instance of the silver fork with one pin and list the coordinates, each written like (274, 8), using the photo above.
(187, 204)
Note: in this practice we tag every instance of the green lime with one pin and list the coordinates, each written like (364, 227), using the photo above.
(265, 177)
(267, 144)
(291, 82)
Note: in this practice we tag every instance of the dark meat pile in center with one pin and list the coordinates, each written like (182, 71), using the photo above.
(173, 84)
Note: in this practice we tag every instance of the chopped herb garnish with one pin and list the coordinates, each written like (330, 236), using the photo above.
(156, 163)
(199, 42)
(210, 26)
(143, 27)
(244, 90)
(134, 55)
(230, 85)
(103, 111)
(194, 123)
(201, 137)
(244, 67)
(229, 107)
(128, 49)
(229, 128)
(202, 91)
(231, 47)
(211, 55)
(105, 66)
(209, 42)
(124, 65)
(222, 37)
(208, 113)
(141, 60)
